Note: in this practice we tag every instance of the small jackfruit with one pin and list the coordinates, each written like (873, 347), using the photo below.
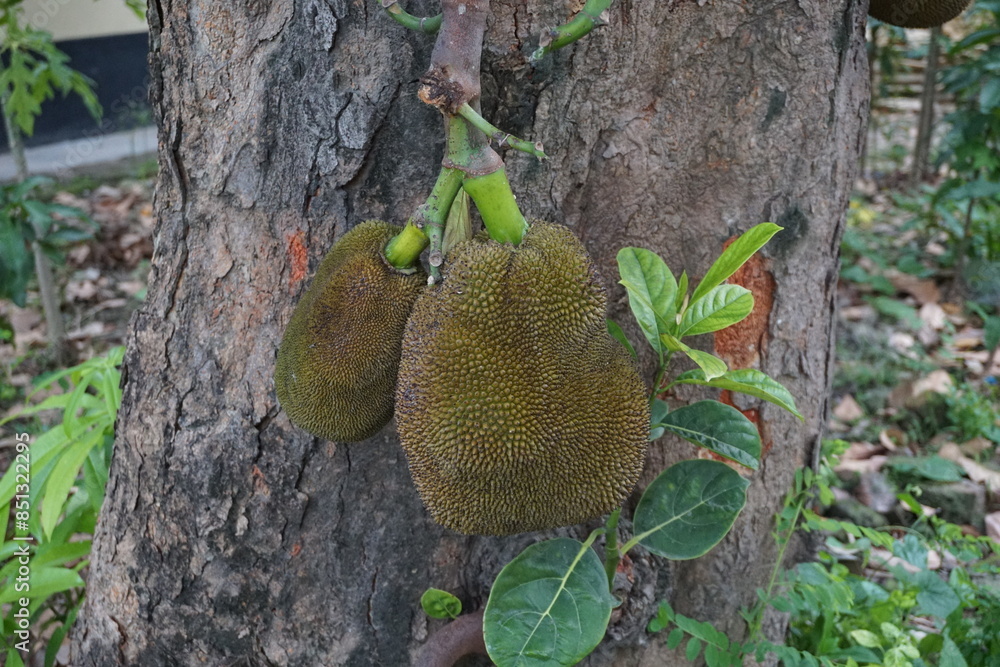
(336, 370)
(516, 408)
(916, 13)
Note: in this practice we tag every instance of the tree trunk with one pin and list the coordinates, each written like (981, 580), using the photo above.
(230, 536)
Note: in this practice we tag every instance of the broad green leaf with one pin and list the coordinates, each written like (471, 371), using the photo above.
(675, 638)
(991, 332)
(951, 656)
(718, 427)
(866, 638)
(658, 409)
(710, 365)
(548, 606)
(440, 604)
(619, 335)
(933, 468)
(651, 291)
(748, 381)
(936, 597)
(735, 256)
(723, 306)
(689, 508)
(989, 95)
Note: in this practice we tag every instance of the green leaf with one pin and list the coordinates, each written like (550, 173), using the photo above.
(682, 292)
(548, 606)
(44, 582)
(866, 638)
(933, 468)
(735, 256)
(658, 409)
(936, 597)
(675, 638)
(440, 604)
(651, 290)
(748, 381)
(692, 649)
(689, 508)
(63, 476)
(619, 335)
(991, 332)
(721, 307)
(989, 96)
(951, 656)
(718, 427)
(711, 366)
(664, 613)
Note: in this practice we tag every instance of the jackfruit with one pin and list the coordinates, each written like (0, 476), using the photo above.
(336, 369)
(916, 13)
(515, 407)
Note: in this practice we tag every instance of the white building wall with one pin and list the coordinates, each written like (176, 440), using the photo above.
(78, 19)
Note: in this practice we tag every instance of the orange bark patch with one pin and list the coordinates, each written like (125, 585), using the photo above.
(742, 344)
(298, 258)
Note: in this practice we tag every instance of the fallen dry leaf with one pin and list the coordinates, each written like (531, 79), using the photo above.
(858, 313)
(933, 316)
(859, 451)
(937, 381)
(892, 438)
(848, 410)
(871, 464)
(901, 341)
(924, 291)
(977, 472)
(976, 446)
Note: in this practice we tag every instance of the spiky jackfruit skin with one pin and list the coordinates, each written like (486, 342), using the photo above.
(336, 369)
(516, 409)
(916, 13)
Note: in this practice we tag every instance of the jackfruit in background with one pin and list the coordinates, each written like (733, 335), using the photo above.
(516, 409)
(336, 369)
(916, 13)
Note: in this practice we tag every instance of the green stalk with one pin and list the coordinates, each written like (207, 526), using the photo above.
(498, 135)
(47, 291)
(611, 554)
(497, 206)
(404, 249)
(428, 25)
(579, 26)
(431, 215)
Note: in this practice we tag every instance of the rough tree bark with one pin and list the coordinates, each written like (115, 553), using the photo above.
(231, 537)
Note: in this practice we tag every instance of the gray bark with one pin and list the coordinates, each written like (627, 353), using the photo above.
(230, 536)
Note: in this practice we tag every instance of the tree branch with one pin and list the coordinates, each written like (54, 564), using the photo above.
(459, 638)
(453, 78)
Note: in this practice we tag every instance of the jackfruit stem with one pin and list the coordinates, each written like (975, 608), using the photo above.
(611, 554)
(591, 16)
(427, 24)
(431, 215)
(404, 249)
(497, 206)
(498, 135)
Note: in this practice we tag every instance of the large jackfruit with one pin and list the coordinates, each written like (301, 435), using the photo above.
(516, 409)
(916, 13)
(336, 369)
